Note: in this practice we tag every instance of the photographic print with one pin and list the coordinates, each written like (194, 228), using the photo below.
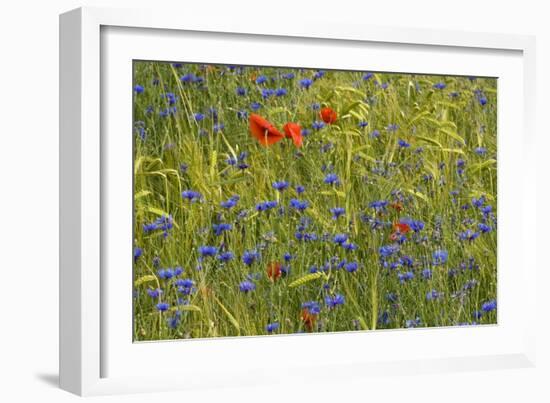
(286, 200)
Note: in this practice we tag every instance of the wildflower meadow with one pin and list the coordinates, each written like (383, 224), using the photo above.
(284, 200)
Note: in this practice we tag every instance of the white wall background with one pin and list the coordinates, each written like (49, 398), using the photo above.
(29, 201)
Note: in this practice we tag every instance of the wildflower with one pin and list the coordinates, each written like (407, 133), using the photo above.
(426, 274)
(333, 302)
(480, 150)
(232, 202)
(306, 83)
(280, 92)
(337, 212)
(388, 250)
(280, 185)
(351, 267)
(392, 127)
(272, 327)
(468, 235)
(433, 295)
(339, 239)
(267, 205)
(138, 89)
(288, 76)
(294, 131)
(305, 132)
(162, 306)
(247, 286)
(226, 256)
(403, 143)
(300, 189)
(185, 283)
(218, 127)
(349, 246)
(332, 179)
(198, 116)
(261, 80)
(137, 253)
(484, 228)
(154, 293)
(274, 271)
(367, 76)
(478, 202)
(375, 134)
(404, 277)
(250, 256)
(255, 106)
(317, 125)
(328, 115)
(241, 91)
(220, 228)
(413, 322)
(362, 124)
(379, 205)
(263, 131)
(439, 257)
(416, 226)
(489, 306)
(191, 195)
(439, 86)
(165, 274)
(299, 205)
(208, 250)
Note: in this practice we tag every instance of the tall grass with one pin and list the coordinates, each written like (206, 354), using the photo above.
(450, 160)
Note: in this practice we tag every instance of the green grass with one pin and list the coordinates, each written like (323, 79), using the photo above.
(441, 129)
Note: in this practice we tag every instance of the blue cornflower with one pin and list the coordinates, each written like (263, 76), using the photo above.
(171, 97)
(185, 282)
(433, 295)
(218, 127)
(404, 277)
(300, 189)
(340, 238)
(191, 195)
(288, 76)
(255, 106)
(247, 286)
(487, 209)
(267, 205)
(137, 253)
(306, 83)
(220, 228)
(379, 205)
(198, 116)
(439, 86)
(287, 256)
(154, 293)
(337, 212)
(226, 256)
(305, 132)
(332, 179)
(392, 127)
(367, 76)
(138, 89)
(241, 91)
(375, 134)
(166, 274)
(468, 235)
(280, 92)
(250, 256)
(261, 79)
(416, 226)
(242, 114)
(484, 228)
(315, 106)
(349, 246)
(232, 202)
(333, 302)
(363, 124)
(440, 257)
(162, 306)
(403, 143)
(412, 322)
(489, 306)
(480, 150)
(272, 327)
(312, 307)
(318, 125)
(178, 270)
(351, 267)
(208, 250)
(478, 202)
(187, 78)
(388, 250)
(280, 185)
(426, 274)
(299, 205)
(267, 93)
(319, 74)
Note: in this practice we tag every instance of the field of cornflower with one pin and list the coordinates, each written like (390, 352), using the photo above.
(279, 200)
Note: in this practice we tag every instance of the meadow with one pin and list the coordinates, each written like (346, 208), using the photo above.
(284, 200)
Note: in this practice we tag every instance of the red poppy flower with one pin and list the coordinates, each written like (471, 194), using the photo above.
(264, 131)
(308, 319)
(294, 131)
(274, 271)
(328, 115)
(400, 227)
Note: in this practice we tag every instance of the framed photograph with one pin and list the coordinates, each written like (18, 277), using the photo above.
(312, 199)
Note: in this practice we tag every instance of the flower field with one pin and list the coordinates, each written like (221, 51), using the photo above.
(279, 201)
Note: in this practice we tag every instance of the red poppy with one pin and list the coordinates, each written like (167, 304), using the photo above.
(401, 227)
(294, 131)
(328, 115)
(308, 318)
(274, 270)
(264, 131)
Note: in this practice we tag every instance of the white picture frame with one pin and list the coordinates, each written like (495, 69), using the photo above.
(93, 361)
